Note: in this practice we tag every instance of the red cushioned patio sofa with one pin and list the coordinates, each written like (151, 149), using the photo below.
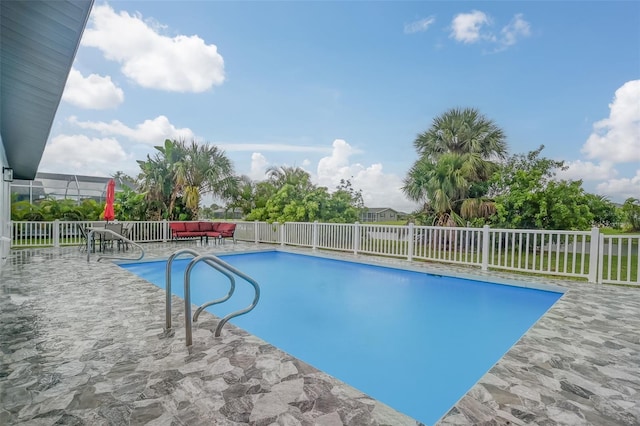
(203, 230)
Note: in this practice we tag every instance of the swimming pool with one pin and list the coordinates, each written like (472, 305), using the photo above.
(414, 341)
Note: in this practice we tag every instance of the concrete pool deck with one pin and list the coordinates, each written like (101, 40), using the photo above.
(83, 343)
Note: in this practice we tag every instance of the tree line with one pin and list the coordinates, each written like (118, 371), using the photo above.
(463, 175)
(173, 180)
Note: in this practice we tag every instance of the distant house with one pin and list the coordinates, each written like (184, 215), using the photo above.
(381, 214)
(228, 214)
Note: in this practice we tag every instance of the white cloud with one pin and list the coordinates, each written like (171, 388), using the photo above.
(466, 27)
(259, 166)
(587, 170)
(419, 26)
(337, 162)
(276, 147)
(178, 64)
(614, 140)
(617, 139)
(152, 132)
(515, 30)
(80, 154)
(476, 26)
(92, 92)
(621, 189)
(379, 189)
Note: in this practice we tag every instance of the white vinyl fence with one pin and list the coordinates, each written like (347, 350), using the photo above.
(66, 233)
(565, 253)
(618, 259)
(446, 244)
(581, 254)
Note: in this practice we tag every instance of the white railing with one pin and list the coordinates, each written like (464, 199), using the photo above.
(31, 234)
(336, 236)
(45, 234)
(387, 240)
(446, 244)
(565, 253)
(580, 254)
(267, 232)
(64, 233)
(147, 231)
(618, 259)
(246, 231)
(297, 234)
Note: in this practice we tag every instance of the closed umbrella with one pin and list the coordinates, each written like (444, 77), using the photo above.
(109, 213)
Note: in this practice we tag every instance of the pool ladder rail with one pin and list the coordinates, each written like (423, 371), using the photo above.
(222, 267)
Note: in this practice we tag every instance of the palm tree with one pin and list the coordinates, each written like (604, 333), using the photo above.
(203, 169)
(443, 183)
(158, 180)
(157, 183)
(243, 198)
(294, 176)
(631, 211)
(180, 173)
(462, 131)
(456, 153)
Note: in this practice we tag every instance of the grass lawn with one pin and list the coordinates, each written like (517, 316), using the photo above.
(45, 242)
(545, 263)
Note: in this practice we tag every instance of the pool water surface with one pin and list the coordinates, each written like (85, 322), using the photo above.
(415, 341)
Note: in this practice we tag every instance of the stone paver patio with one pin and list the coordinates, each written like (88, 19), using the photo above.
(83, 343)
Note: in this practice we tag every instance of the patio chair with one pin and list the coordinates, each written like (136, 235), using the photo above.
(108, 238)
(83, 237)
(126, 232)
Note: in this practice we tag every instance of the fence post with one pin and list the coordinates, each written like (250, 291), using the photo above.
(165, 230)
(356, 237)
(593, 255)
(283, 232)
(56, 233)
(410, 242)
(314, 237)
(600, 272)
(485, 247)
(255, 231)
(12, 234)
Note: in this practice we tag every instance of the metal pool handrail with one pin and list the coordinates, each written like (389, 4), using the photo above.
(168, 286)
(120, 236)
(187, 293)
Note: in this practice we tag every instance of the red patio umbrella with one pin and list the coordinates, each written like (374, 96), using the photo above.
(109, 213)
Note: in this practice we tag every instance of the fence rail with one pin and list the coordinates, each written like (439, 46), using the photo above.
(451, 245)
(618, 259)
(65, 233)
(581, 254)
(564, 253)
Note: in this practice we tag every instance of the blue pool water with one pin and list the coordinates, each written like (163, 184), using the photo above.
(414, 341)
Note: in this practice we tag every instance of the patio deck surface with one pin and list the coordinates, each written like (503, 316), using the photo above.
(83, 343)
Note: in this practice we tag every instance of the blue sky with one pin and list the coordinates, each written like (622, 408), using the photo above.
(343, 88)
